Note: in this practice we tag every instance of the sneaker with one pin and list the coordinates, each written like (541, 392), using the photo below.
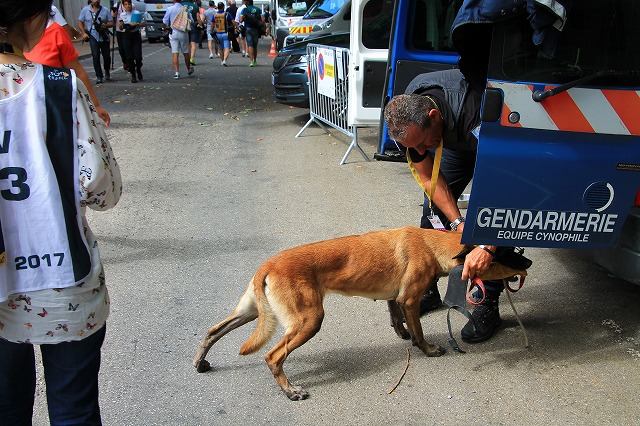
(192, 61)
(211, 56)
(252, 64)
(176, 75)
(217, 55)
(133, 78)
(430, 301)
(98, 80)
(108, 77)
(486, 317)
(224, 64)
(190, 71)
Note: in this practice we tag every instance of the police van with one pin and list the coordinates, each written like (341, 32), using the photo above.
(558, 160)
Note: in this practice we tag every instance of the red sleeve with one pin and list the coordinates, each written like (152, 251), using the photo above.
(54, 49)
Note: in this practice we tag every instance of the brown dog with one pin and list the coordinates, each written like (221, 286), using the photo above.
(397, 265)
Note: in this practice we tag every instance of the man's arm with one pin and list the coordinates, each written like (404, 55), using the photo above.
(442, 197)
(83, 32)
(478, 260)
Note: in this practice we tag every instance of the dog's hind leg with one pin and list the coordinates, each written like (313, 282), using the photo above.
(245, 312)
(301, 326)
(397, 320)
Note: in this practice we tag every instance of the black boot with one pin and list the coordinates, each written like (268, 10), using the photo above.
(139, 71)
(133, 77)
(486, 318)
(430, 300)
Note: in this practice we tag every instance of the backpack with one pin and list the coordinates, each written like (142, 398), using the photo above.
(252, 16)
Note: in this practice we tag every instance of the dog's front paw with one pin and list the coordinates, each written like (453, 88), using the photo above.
(203, 366)
(432, 350)
(296, 393)
(435, 350)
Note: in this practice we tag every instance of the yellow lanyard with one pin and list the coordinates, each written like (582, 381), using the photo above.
(434, 171)
(434, 174)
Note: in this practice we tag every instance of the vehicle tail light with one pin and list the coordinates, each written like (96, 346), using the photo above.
(638, 198)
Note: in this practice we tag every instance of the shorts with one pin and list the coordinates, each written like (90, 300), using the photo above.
(209, 37)
(223, 40)
(253, 36)
(179, 41)
(194, 34)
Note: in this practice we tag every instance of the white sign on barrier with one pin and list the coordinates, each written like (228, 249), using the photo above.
(326, 73)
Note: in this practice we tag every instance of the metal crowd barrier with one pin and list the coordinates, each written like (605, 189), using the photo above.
(328, 92)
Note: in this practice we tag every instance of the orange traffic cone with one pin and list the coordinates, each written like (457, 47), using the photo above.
(273, 52)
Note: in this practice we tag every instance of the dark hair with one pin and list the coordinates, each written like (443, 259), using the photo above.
(14, 13)
(220, 6)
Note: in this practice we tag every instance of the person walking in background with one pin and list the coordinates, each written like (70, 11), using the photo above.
(208, 18)
(116, 10)
(94, 23)
(56, 49)
(221, 23)
(266, 17)
(61, 163)
(130, 22)
(179, 40)
(192, 8)
(251, 18)
(241, 29)
(233, 32)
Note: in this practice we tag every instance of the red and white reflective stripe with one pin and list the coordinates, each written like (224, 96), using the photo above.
(576, 110)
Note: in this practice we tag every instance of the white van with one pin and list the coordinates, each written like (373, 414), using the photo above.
(284, 15)
(320, 19)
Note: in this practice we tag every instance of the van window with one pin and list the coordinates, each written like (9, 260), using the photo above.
(431, 25)
(376, 24)
(322, 9)
(292, 8)
(598, 37)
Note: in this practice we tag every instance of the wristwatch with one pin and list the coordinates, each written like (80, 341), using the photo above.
(454, 225)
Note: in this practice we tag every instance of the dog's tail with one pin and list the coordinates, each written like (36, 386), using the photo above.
(267, 320)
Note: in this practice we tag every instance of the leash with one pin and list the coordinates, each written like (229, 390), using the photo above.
(458, 295)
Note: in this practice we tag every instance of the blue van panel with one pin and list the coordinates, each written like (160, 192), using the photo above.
(535, 187)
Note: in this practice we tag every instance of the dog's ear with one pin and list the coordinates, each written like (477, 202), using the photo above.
(465, 251)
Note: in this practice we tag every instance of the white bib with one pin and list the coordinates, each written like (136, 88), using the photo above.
(42, 243)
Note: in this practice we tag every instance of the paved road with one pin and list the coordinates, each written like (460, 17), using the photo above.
(215, 183)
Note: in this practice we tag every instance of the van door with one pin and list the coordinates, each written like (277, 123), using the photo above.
(420, 43)
(368, 53)
(558, 161)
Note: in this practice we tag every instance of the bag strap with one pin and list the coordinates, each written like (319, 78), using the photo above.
(456, 298)
(96, 16)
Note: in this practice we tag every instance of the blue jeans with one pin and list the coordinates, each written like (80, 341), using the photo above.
(71, 376)
(100, 48)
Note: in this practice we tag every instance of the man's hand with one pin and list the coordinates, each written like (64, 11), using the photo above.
(476, 263)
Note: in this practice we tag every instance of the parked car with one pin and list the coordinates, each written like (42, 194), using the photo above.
(290, 76)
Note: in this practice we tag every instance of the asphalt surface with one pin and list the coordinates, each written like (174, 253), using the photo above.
(215, 183)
